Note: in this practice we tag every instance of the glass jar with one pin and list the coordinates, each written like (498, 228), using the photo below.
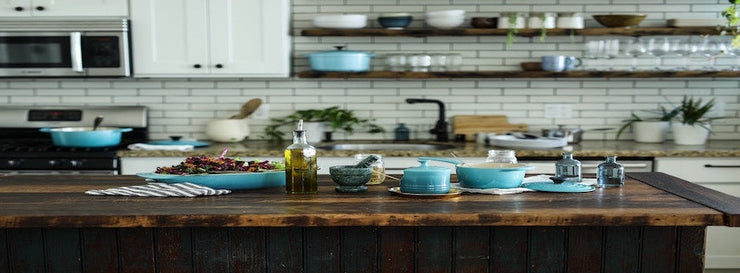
(378, 168)
(610, 173)
(501, 156)
(568, 169)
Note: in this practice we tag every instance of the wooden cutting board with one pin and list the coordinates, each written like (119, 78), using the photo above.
(471, 124)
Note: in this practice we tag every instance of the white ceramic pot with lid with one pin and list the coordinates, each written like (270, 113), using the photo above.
(227, 130)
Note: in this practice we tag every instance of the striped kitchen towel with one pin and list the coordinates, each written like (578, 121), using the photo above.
(161, 190)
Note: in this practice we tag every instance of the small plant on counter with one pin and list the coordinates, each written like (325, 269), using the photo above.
(337, 119)
(693, 112)
(665, 115)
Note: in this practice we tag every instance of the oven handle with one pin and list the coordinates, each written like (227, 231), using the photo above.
(75, 46)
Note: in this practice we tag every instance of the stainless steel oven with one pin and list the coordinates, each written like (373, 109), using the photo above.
(64, 48)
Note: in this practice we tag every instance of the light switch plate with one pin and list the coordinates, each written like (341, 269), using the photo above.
(558, 111)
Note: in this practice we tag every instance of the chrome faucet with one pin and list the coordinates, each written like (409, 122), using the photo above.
(440, 128)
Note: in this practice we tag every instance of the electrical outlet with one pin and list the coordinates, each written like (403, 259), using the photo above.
(262, 112)
(558, 111)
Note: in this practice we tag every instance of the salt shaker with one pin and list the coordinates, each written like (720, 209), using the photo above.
(501, 156)
(568, 169)
(610, 173)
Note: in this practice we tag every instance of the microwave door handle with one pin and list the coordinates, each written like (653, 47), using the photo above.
(75, 46)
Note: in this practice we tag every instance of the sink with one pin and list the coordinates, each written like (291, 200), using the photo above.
(386, 146)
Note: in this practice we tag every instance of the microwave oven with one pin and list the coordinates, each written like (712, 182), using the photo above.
(65, 48)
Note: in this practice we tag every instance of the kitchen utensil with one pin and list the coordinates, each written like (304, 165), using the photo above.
(229, 181)
(340, 60)
(619, 20)
(247, 109)
(426, 179)
(342, 21)
(572, 135)
(227, 130)
(486, 175)
(351, 178)
(395, 20)
(85, 137)
(469, 125)
(559, 63)
(96, 123)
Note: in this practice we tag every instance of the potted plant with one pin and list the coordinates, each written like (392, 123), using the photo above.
(693, 127)
(323, 122)
(650, 130)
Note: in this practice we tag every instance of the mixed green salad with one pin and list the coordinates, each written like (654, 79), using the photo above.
(207, 164)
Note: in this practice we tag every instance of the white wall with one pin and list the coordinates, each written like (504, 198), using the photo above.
(183, 106)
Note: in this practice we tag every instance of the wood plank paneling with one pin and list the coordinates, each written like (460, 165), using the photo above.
(584, 249)
(249, 250)
(691, 249)
(63, 251)
(173, 246)
(322, 250)
(547, 249)
(509, 249)
(622, 249)
(359, 249)
(397, 249)
(136, 250)
(4, 267)
(99, 250)
(472, 250)
(285, 250)
(26, 250)
(434, 249)
(658, 249)
(210, 250)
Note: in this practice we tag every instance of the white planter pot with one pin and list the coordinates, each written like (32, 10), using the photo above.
(227, 130)
(314, 131)
(650, 131)
(689, 134)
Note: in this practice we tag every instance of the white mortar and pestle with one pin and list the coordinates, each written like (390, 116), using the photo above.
(235, 128)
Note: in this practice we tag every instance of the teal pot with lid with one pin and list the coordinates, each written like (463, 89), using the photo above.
(85, 137)
(340, 60)
(426, 179)
(486, 175)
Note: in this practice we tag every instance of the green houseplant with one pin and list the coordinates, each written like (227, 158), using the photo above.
(650, 130)
(334, 118)
(693, 126)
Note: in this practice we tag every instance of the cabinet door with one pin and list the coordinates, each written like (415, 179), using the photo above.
(23, 8)
(250, 38)
(169, 38)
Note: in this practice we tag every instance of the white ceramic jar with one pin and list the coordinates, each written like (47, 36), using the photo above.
(541, 20)
(512, 20)
(571, 20)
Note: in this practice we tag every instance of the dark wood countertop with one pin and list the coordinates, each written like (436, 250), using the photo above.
(59, 201)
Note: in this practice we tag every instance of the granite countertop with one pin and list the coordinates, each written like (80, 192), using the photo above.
(587, 148)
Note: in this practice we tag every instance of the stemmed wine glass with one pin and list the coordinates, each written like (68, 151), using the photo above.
(634, 48)
(683, 49)
(710, 49)
(657, 47)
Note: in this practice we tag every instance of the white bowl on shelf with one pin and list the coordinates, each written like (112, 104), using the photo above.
(445, 22)
(343, 21)
(446, 13)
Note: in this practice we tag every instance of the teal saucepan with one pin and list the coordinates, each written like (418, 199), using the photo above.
(85, 137)
(486, 175)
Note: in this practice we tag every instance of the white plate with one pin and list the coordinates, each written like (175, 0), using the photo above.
(453, 192)
(509, 141)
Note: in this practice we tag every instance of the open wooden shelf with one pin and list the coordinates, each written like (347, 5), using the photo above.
(517, 74)
(525, 32)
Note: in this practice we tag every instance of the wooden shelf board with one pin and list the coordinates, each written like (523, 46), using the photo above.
(518, 74)
(526, 32)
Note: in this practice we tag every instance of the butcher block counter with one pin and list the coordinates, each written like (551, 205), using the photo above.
(655, 223)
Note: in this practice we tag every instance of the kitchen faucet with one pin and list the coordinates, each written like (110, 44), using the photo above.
(440, 128)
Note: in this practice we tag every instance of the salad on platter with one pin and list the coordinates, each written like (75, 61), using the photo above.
(206, 164)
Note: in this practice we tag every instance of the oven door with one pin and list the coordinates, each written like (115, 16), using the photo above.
(63, 54)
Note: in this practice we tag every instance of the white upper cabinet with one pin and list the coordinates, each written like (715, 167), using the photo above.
(210, 38)
(56, 8)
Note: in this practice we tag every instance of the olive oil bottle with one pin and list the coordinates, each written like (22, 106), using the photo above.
(300, 164)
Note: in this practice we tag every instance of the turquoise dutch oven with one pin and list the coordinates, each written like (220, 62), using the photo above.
(426, 179)
(486, 175)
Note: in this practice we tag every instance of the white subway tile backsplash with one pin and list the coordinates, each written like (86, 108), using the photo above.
(184, 106)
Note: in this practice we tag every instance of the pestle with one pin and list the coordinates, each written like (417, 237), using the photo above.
(366, 162)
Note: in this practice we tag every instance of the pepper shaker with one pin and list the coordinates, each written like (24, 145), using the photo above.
(610, 173)
(568, 169)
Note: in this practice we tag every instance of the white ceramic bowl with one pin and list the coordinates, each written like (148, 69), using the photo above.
(340, 21)
(445, 22)
(446, 13)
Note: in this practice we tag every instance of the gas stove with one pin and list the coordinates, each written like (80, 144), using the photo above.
(26, 150)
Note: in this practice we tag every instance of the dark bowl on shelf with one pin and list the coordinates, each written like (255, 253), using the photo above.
(484, 22)
(395, 22)
(620, 20)
(531, 66)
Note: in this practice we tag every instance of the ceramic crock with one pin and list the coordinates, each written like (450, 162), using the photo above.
(426, 179)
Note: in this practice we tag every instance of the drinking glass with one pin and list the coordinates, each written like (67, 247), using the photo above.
(611, 50)
(593, 51)
(634, 48)
(657, 47)
(683, 49)
(710, 49)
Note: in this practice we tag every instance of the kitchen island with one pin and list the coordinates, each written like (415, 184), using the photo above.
(655, 223)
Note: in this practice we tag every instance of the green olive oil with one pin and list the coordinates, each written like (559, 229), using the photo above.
(300, 164)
